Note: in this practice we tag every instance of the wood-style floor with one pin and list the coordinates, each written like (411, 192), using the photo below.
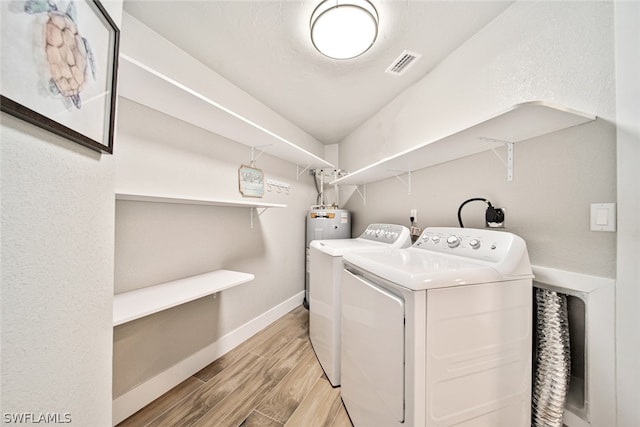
(273, 380)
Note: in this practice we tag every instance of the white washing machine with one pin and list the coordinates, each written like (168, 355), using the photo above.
(439, 334)
(325, 272)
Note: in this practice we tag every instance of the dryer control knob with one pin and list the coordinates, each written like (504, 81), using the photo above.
(436, 239)
(474, 243)
(453, 241)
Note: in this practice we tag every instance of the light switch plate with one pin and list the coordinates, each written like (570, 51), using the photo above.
(603, 217)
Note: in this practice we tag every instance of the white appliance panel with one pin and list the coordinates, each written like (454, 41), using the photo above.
(373, 370)
(478, 354)
(467, 334)
(325, 272)
(324, 326)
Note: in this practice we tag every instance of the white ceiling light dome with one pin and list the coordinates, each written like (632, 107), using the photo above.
(344, 29)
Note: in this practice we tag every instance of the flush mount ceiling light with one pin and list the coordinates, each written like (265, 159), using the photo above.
(344, 29)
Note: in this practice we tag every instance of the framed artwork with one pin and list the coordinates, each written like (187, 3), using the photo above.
(251, 181)
(59, 68)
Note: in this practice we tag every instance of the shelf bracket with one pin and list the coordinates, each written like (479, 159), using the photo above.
(362, 193)
(407, 182)
(300, 172)
(259, 211)
(257, 148)
(509, 162)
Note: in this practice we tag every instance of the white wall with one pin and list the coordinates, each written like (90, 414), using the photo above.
(155, 243)
(143, 44)
(553, 51)
(57, 273)
(560, 52)
(556, 177)
(161, 242)
(628, 267)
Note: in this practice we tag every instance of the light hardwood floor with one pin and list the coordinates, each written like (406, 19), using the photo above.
(273, 379)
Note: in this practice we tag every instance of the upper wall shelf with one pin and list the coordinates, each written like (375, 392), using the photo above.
(147, 86)
(519, 123)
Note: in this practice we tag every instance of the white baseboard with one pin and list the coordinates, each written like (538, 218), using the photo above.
(139, 397)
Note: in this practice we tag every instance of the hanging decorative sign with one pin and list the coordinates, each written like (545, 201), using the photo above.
(251, 181)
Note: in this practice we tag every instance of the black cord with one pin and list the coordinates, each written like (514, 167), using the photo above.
(476, 199)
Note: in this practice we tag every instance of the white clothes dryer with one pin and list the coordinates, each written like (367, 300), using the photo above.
(325, 274)
(439, 334)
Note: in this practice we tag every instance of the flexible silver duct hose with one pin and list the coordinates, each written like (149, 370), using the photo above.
(553, 360)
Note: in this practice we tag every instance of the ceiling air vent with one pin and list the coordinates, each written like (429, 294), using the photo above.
(403, 63)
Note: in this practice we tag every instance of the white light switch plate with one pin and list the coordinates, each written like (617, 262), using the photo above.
(603, 217)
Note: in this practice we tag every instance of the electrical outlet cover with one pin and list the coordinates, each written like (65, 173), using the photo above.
(603, 217)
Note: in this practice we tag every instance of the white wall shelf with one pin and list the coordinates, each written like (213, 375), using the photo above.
(260, 207)
(138, 303)
(167, 198)
(518, 123)
(145, 85)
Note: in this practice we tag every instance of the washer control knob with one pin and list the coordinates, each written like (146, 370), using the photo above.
(436, 239)
(474, 243)
(453, 241)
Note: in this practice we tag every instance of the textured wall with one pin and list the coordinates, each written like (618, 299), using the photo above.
(57, 274)
(560, 52)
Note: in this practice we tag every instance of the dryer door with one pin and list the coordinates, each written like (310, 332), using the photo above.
(372, 353)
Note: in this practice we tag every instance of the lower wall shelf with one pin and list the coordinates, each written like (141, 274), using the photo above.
(138, 303)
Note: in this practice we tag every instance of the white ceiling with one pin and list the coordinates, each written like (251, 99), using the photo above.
(263, 47)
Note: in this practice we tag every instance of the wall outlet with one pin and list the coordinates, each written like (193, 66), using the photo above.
(495, 218)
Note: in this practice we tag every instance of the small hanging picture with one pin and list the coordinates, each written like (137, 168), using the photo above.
(251, 181)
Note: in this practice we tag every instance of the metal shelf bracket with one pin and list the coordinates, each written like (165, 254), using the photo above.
(257, 148)
(259, 211)
(407, 182)
(509, 162)
(362, 193)
(300, 172)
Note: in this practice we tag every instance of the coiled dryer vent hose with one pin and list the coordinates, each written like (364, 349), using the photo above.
(552, 370)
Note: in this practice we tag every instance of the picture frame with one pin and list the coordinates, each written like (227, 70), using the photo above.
(250, 181)
(59, 68)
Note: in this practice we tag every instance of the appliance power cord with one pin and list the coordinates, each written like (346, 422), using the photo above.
(475, 199)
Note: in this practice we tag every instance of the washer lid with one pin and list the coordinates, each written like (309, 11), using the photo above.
(375, 236)
(339, 247)
(418, 269)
